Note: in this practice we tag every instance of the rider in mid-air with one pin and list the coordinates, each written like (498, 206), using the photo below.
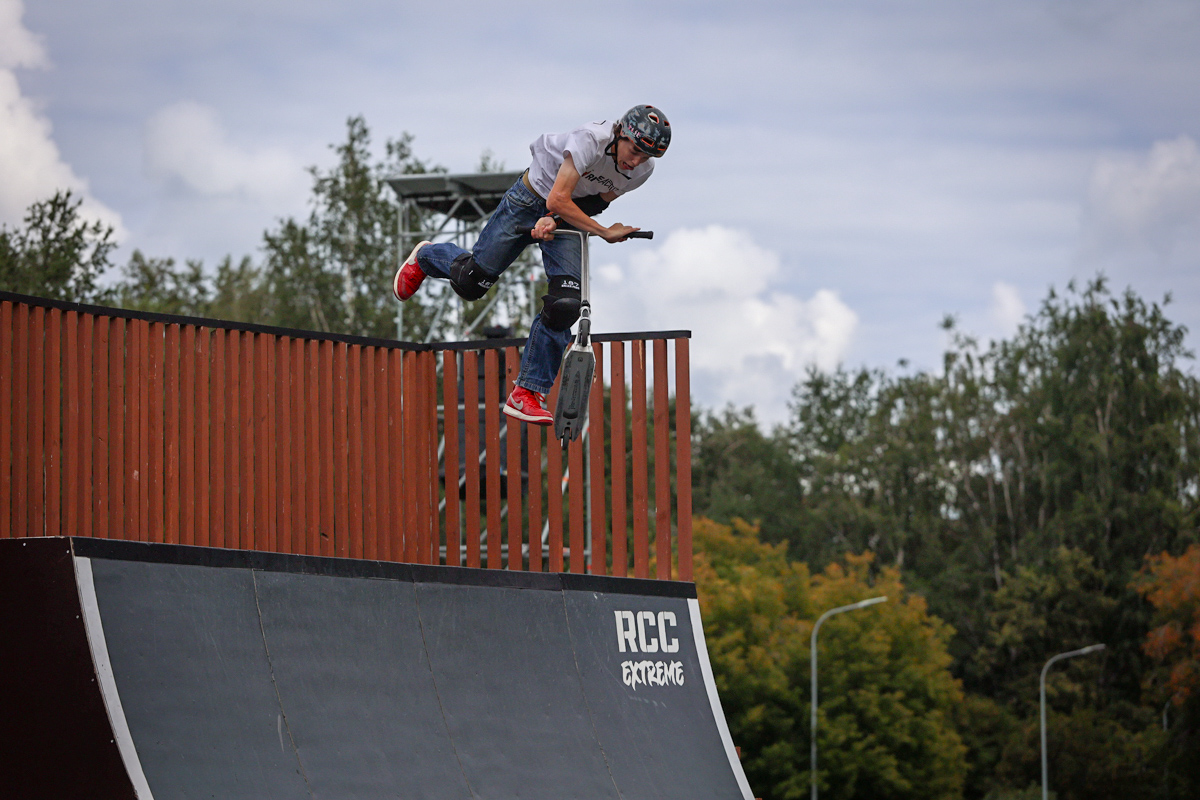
(573, 177)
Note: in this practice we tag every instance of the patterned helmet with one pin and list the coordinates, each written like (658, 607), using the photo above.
(647, 126)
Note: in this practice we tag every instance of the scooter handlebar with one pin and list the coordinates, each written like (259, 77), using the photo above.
(634, 235)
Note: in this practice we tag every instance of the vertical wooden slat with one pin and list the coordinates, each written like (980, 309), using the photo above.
(116, 428)
(412, 454)
(6, 419)
(379, 492)
(620, 533)
(209, 495)
(683, 457)
(429, 482)
(367, 426)
(427, 460)
(641, 523)
(244, 421)
(53, 437)
(395, 494)
(427, 431)
(450, 415)
(271, 422)
(156, 435)
(341, 443)
(187, 434)
(142, 459)
(171, 454)
(599, 559)
(298, 464)
(231, 469)
(131, 477)
(72, 466)
(203, 436)
(99, 419)
(578, 487)
(20, 424)
(219, 460)
(36, 430)
(316, 468)
(491, 416)
(354, 427)
(554, 488)
(512, 439)
(87, 483)
(662, 465)
(285, 458)
(471, 453)
(252, 467)
(432, 440)
(535, 497)
(264, 483)
(327, 430)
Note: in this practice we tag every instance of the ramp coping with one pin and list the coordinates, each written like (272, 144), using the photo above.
(104, 673)
(710, 685)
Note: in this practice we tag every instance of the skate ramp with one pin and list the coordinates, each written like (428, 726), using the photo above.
(183, 672)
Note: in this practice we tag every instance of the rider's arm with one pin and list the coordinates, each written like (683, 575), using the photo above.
(560, 203)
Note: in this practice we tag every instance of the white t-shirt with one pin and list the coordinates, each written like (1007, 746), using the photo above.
(598, 172)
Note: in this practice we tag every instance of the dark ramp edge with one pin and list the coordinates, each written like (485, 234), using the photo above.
(188, 658)
(55, 738)
(511, 694)
(661, 741)
(360, 568)
(356, 688)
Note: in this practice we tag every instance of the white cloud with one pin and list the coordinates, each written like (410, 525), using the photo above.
(750, 341)
(31, 167)
(18, 47)
(186, 142)
(1008, 309)
(1152, 200)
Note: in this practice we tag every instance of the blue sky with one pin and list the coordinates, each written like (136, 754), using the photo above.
(843, 174)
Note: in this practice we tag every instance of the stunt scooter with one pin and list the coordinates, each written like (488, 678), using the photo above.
(579, 362)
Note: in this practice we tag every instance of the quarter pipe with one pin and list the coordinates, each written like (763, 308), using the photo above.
(160, 671)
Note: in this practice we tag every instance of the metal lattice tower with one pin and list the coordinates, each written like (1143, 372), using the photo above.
(458, 205)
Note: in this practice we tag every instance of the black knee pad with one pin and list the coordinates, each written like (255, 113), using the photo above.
(560, 308)
(468, 279)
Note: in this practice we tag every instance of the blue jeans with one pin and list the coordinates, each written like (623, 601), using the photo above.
(502, 240)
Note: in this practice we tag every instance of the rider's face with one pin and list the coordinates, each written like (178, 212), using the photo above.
(629, 156)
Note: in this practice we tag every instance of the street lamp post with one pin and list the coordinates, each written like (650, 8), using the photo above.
(813, 670)
(1042, 694)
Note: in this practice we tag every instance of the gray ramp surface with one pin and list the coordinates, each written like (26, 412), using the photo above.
(188, 658)
(251, 675)
(658, 731)
(512, 697)
(352, 676)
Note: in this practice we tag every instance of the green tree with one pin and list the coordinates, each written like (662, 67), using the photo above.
(738, 472)
(235, 292)
(332, 271)
(1018, 489)
(57, 254)
(886, 691)
(1039, 612)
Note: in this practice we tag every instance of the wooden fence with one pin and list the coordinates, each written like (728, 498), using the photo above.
(148, 427)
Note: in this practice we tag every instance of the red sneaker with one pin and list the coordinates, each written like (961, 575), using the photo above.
(526, 405)
(410, 275)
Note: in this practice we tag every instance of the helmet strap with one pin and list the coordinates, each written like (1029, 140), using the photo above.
(611, 150)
